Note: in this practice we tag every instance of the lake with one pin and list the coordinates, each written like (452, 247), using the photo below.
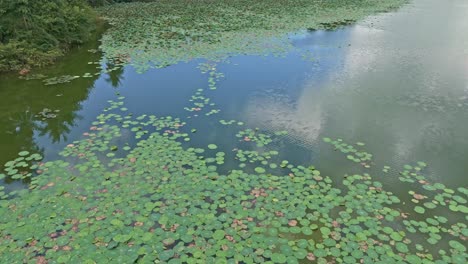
(388, 81)
(397, 82)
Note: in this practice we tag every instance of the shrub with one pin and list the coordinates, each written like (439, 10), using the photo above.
(35, 32)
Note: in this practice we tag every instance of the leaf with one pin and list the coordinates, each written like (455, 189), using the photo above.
(219, 234)
(419, 209)
(259, 170)
(117, 222)
(212, 146)
(23, 153)
(457, 246)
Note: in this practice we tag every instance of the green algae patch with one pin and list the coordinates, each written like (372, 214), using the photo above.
(164, 32)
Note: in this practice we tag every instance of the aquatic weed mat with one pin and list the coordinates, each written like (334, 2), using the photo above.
(164, 200)
(161, 33)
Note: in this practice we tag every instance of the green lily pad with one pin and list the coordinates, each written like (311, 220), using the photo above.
(212, 146)
(457, 246)
(259, 170)
(419, 209)
(23, 153)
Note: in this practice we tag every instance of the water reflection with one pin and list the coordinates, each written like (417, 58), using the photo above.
(404, 85)
(115, 77)
(300, 112)
(22, 102)
(397, 81)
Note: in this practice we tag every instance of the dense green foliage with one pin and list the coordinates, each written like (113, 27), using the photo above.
(35, 32)
(95, 3)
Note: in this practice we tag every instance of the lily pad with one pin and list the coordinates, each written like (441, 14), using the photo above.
(259, 170)
(212, 146)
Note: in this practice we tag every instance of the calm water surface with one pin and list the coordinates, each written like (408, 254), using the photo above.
(397, 81)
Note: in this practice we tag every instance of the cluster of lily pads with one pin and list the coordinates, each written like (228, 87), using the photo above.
(230, 122)
(214, 76)
(352, 152)
(254, 135)
(164, 200)
(33, 76)
(22, 167)
(252, 156)
(47, 113)
(200, 102)
(386, 169)
(60, 79)
(116, 65)
(440, 195)
(161, 33)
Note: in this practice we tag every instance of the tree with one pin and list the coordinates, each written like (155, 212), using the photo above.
(35, 32)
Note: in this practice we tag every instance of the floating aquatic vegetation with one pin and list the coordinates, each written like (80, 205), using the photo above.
(60, 79)
(159, 200)
(212, 146)
(352, 152)
(161, 33)
(199, 100)
(254, 156)
(212, 112)
(116, 67)
(47, 113)
(337, 24)
(214, 76)
(261, 139)
(22, 167)
(386, 169)
(28, 77)
(413, 173)
(230, 122)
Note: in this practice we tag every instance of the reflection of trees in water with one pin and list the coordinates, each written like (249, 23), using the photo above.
(17, 134)
(21, 101)
(21, 119)
(58, 128)
(115, 77)
(20, 123)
